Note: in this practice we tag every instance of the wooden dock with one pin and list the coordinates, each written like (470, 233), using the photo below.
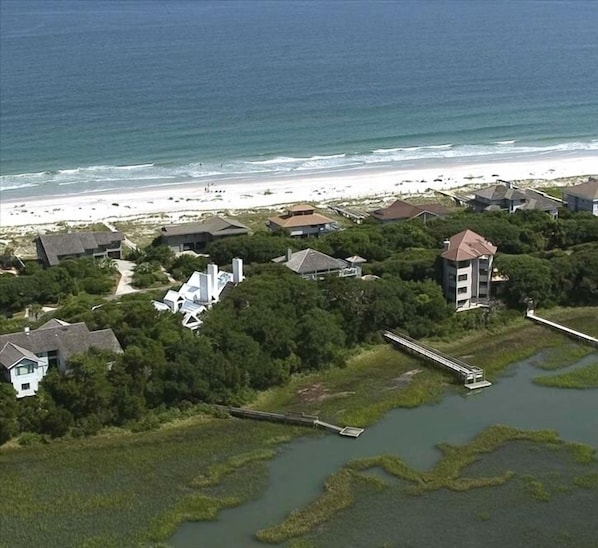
(300, 419)
(530, 314)
(472, 376)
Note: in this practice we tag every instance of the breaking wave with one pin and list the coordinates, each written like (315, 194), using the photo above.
(106, 177)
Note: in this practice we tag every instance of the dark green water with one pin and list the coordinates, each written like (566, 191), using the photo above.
(299, 471)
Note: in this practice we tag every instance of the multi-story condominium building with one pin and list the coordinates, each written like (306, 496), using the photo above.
(467, 270)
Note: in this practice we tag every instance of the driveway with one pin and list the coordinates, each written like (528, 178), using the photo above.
(126, 274)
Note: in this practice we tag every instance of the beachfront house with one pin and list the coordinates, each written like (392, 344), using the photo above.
(312, 265)
(301, 221)
(467, 270)
(196, 236)
(404, 211)
(583, 197)
(26, 356)
(503, 197)
(53, 248)
(199, 293)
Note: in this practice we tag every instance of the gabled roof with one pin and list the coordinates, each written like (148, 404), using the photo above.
(65, 338)
(12, 353)
(216, 226)
(538, 201)
(308, 261)
(587, 190)
(75, 243)
(468, 245)
(300, 220)
(399, 210)
(500, 192)
(54, 322)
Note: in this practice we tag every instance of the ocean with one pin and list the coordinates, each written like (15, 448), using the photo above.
(103, 95)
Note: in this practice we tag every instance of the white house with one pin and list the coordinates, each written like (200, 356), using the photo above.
(200, 292)
(26, 357)
(467, 270)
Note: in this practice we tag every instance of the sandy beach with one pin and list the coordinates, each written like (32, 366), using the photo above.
(179, 201)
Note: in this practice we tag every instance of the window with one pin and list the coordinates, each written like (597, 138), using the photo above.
(53, 358)
(462, 290)
(462, 277)
(462, 302)
(26, 386)
(25, 368)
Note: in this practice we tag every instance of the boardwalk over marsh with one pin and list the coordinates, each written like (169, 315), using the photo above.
(530, 314)
(472, 376)
(300, 419)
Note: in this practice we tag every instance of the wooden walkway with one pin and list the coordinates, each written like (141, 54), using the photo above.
(530, 314)
(472, 376)
(355, 216)
(300, 419)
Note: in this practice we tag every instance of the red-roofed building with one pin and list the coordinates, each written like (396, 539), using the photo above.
(403, 211)
(467, 270)
(301, 221)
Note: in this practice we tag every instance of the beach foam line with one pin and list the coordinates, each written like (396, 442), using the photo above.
(134, 176)
(178, 200)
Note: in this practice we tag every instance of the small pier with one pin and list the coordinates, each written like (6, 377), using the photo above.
(472, 376)
(300, 419)
(530, 314)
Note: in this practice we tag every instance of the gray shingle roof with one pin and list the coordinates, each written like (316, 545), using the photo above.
(308, 261)
(75, 243)
(214, 225)
(12, 353)
(500, 192)
(66, 339)
(587, 190)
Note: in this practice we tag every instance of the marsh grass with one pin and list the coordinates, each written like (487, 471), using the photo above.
(373, 382)
(587, 481)
(446, 474)
(536, 489)
(338, 494)
(141, 486)
(74, 492)
(584, 377)
(583, 319)
(559, 357)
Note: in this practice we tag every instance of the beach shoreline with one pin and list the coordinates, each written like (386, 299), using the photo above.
(176, 202)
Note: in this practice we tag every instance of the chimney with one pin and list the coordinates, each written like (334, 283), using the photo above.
(446, 244)
(289, 254)
(205, 288)
(213, 275)
(237, 270)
